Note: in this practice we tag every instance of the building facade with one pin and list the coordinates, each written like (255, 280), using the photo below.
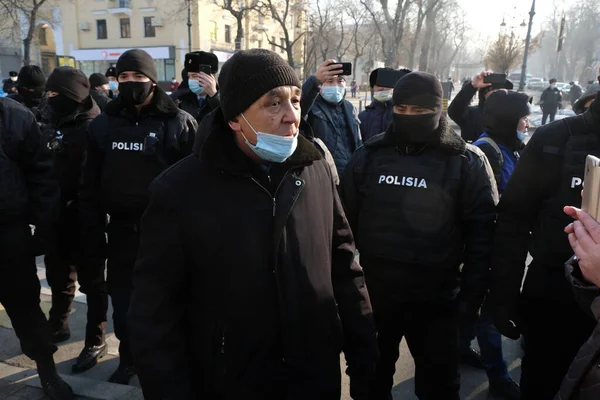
(92, 34)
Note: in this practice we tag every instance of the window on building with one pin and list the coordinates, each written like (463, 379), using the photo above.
(227, 33)
(125, 28)
(260, 44)
(273, 43)
(43, 39)
(213, 31)
(282, 43)
(101, 29)
(148, 28)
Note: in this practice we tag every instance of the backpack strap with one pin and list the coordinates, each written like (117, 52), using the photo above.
(494, 145)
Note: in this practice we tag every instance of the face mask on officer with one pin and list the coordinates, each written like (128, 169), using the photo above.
(195, 87)
(417, 109)
(135, 93)
(113, 85)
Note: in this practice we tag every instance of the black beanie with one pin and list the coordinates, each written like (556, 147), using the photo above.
(419, 89)
(248, 75)
(69, 82)
(112, 71)
(139, 61)
(194, 60)
(32, 77)
(97, 79)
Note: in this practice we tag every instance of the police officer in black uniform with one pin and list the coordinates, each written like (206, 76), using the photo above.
(531, 219)
(140, 134)
(28, 195)
(421, 203)
(71, 109)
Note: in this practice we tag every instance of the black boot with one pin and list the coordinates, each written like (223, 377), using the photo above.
(61, 335)
(89, 357)
(505, 389)
(54, 386)
(123, 374)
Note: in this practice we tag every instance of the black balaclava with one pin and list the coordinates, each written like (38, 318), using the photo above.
(32, 82)
(73, 88)
(418, 89)
(503, 110)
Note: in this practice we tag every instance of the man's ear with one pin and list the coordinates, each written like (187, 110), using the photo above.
(235, 125)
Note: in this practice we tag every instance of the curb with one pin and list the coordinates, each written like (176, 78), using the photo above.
(82, 387)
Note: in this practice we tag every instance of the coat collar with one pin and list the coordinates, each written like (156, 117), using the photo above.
(220, 150)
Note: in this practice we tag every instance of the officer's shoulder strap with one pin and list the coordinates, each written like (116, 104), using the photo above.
(494, 145)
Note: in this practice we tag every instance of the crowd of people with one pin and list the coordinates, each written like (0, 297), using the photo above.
(228, 217)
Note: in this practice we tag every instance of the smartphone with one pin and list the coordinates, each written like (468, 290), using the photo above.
(494, 78)
(205, 68)
(387, 78)
(591, 187)
(346, 68)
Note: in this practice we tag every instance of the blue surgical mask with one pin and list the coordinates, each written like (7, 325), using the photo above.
(113, 85)
(521, 135)
(333, 94)
(195, 86)
(272, 147)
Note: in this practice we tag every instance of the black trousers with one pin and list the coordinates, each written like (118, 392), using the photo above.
(431, 332)
(553, 334)
(20, 291)
(64, 268)
(123, 244)
(545, 115)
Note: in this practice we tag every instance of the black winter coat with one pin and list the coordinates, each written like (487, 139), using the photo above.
(281, 293)
(101, 98)
(117, 171)
(468, 118)
(531, 220)
(375, 118)
(68, 162)
(413, 239)
(582, 381)
(28, 189)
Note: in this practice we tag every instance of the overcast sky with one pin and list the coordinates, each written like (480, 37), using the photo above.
(485, 16)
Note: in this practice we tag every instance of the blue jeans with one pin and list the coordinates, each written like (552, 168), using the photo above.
(490, 344)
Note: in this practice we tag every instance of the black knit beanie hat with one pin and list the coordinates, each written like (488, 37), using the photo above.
(194, 60)
(139, 61)
(502, 112)
(248, 75)
(111, 71)
(97, 79)
(419, 89)
(32, 77)
(69, 82)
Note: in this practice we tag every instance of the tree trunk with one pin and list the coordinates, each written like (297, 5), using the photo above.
(413, 43)
(424, 58)
(239, 16)
(29, 38)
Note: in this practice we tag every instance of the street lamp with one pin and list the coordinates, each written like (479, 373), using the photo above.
(189, 24)
(526, 52)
